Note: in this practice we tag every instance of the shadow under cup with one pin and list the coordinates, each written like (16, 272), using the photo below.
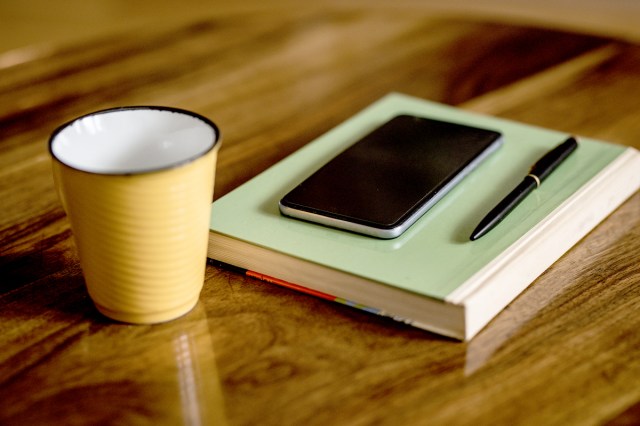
(137, 186)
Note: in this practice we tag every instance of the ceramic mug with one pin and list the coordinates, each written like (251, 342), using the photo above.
(137, 186)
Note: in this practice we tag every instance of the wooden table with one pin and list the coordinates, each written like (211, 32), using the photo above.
(567, 351)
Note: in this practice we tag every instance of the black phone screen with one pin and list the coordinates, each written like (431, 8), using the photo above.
(385, 181)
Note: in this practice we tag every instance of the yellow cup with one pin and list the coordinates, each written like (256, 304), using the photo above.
(137, 186)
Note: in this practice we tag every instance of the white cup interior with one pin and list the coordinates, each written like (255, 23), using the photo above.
(133, 140)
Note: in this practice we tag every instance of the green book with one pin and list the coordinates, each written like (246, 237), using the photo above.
(432, 276)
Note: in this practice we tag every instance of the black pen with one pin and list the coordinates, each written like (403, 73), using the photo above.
(539, 171)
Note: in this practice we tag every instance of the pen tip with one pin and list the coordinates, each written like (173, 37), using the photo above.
(477, 233)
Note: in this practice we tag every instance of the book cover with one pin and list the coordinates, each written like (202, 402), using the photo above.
(432, 276)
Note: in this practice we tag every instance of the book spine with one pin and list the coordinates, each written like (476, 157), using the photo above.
(305, 290)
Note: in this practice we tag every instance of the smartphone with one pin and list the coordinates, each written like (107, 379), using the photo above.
(384, 182)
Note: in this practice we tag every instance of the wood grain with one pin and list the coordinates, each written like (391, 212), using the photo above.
(566, 351)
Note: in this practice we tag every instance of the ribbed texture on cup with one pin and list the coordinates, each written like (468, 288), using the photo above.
(142, 239)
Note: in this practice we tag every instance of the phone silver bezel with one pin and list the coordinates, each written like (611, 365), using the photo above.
(389, 233)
